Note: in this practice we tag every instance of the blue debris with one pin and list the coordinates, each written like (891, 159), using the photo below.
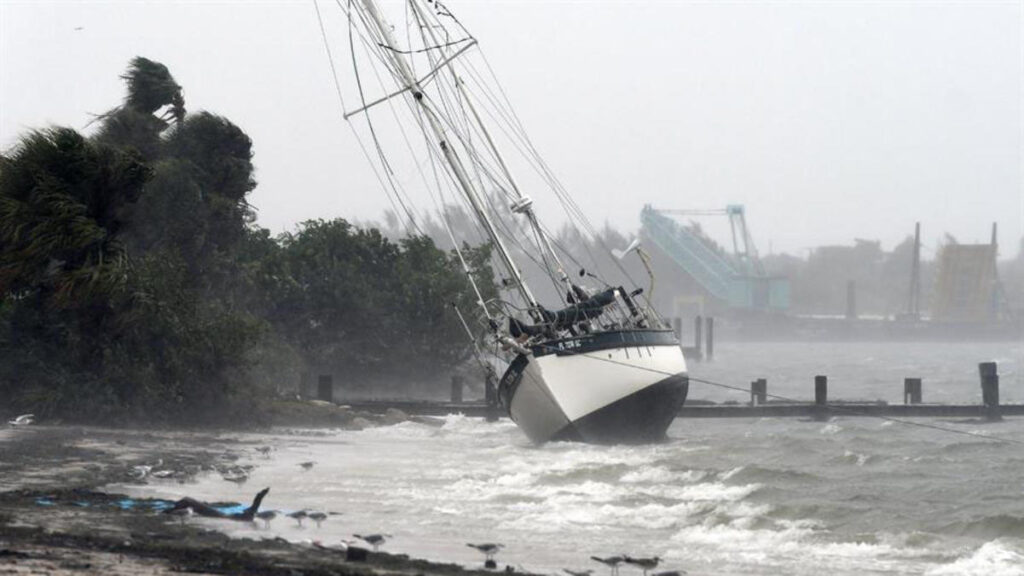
(233, 509)
(45, 502)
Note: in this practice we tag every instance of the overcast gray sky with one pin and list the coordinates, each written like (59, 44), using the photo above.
(828, 120)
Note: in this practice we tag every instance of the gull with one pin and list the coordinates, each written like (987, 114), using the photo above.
(578, 572)
(181, 513)
(489, 549)
(23, 420)
(235, 475)
(298, 515)
(140, 472)
(611, 562)
(307, 465)
(374, 540)
(645, 564)
(267, 516)
(317, 517)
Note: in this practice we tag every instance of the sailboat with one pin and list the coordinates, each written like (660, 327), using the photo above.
(598, 366)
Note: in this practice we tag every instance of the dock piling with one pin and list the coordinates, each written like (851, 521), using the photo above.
(456, 388)
(911, 390)
(710, 342)
(758, 392)
(491, 396)
(989, 373)
(325, 388)
(821, 397)
(698, 323)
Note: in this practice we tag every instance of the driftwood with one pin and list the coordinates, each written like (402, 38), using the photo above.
(204, 509)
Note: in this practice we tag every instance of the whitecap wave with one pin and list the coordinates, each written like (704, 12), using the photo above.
(995, 558)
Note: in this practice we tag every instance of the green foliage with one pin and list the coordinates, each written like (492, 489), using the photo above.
(151, 87)
(356, 302)
(132, 282)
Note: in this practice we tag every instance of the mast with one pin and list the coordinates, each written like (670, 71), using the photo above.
(523, 204)
(408, 80)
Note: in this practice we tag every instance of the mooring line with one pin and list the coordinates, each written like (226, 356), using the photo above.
(851, 411)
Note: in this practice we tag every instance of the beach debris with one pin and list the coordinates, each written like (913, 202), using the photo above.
(611, 562)
(163, 473)
(264, 450)
(298, 515)
(236, 475)
(317, 517)
(23, 420)
(267, 516)
(307, 465)
(489, 549)
(204, 509)
(181, 513)
(578, 572)
(375, 540)
(644, 564)
(670, 573)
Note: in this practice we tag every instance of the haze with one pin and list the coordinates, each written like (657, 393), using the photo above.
(830, 121)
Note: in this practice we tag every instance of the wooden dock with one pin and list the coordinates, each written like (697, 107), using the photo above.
(712, 410)
(761, 405)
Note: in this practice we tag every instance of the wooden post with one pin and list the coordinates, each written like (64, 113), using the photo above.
(491, 396)
(456, 388)
(697, 324)
(710, 342)
(821, 397)
(990, 390)
(911, 390)
(851, 300)
(758, 392)
(325, 388)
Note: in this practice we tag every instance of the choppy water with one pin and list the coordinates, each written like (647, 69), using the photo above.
(767, 496)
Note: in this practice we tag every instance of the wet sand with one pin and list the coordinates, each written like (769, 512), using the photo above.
(54, 518)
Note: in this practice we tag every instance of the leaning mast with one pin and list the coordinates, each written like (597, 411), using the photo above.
(410, 83)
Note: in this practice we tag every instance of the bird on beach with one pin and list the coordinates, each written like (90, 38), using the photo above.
(235, 475)
(578, 572)
(266, 516)
(644, 564)
(375, 540)
(264, 450)
(611, 562)
(307, 465)
(298, 515)
(489, 549)
(23, 420)
(181, 513)
(317, 517)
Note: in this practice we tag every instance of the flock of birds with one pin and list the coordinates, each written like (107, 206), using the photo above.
(239, 474)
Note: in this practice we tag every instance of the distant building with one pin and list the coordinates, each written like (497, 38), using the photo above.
(966, 287)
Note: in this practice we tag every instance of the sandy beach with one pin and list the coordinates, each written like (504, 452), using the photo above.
(55, 519)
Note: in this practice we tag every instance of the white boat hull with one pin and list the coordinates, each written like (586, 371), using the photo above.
(623, 387)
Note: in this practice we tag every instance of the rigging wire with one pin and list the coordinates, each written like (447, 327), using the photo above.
(341, 100)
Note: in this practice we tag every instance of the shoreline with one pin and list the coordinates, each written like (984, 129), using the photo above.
(55, 517)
